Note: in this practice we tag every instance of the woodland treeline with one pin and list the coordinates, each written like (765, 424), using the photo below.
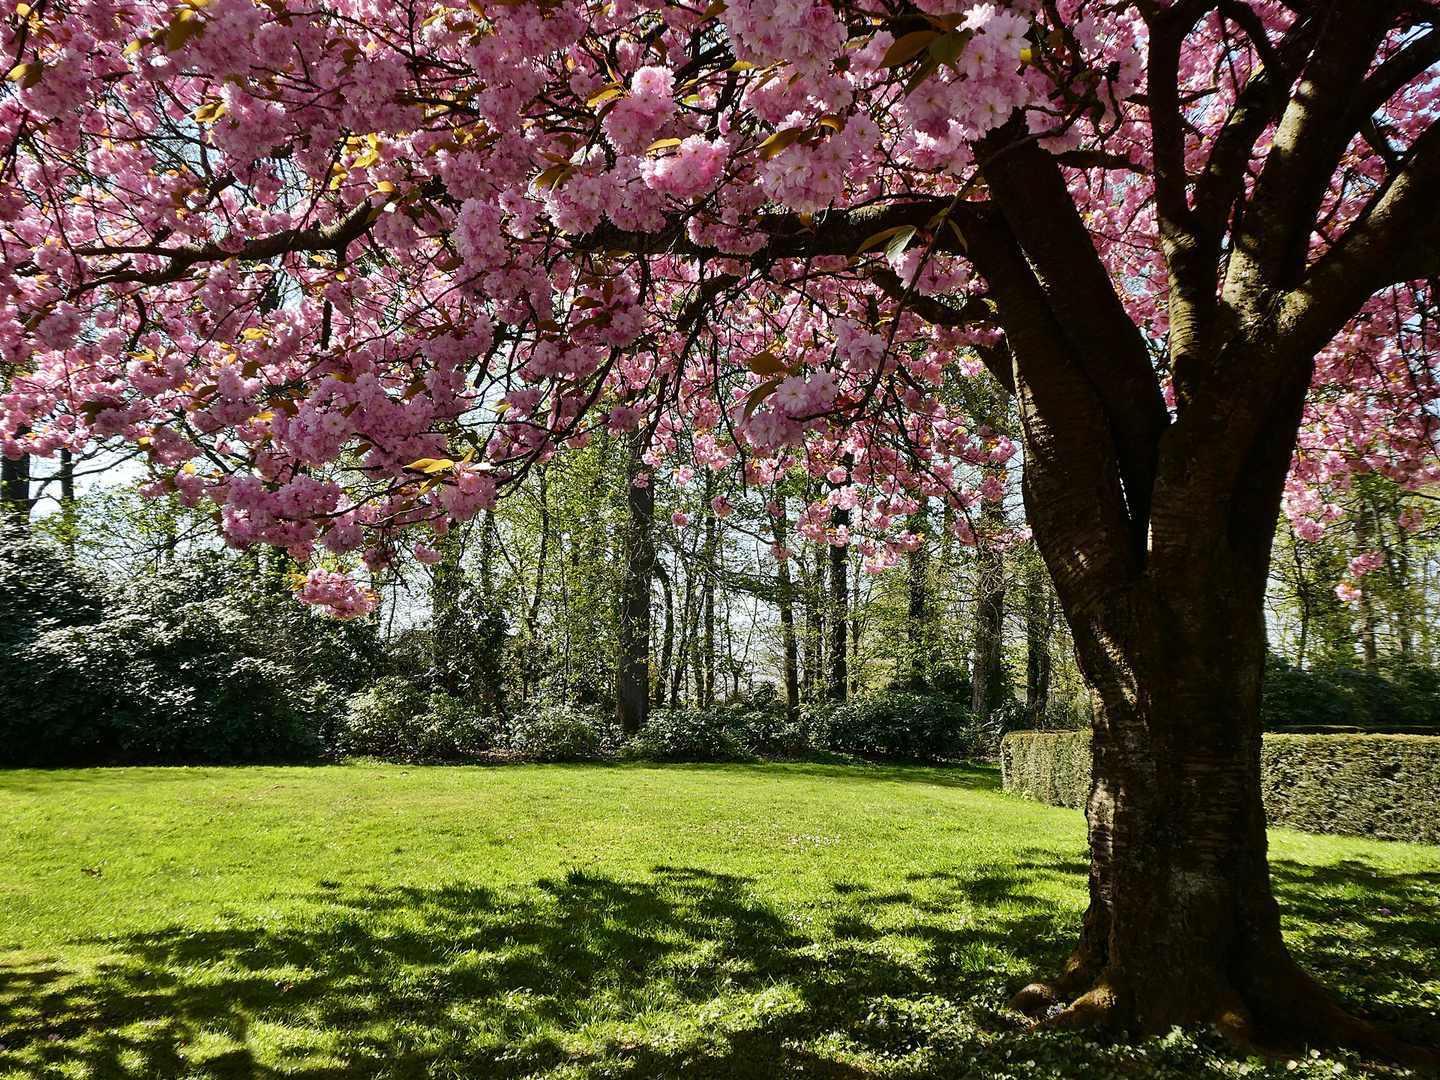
(582, 587)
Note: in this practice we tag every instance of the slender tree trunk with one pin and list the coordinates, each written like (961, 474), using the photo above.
(487, 556)
(529, 627)
(447, 641)
(632, 682)
(784, 598)
(68, 519)
(917, 616)
(706, 671)
(1039, 626)
(667, 645)
(683, 654)
(1365, 535)
(987, 672)
(1404, 609)
(838, 683)
(814, 586)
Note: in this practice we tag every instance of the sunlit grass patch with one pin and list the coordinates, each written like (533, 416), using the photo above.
(583, 921)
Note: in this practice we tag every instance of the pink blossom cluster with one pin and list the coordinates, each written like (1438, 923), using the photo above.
(335, 594)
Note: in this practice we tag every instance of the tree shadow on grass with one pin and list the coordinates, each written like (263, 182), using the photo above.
(683, 974)
(1371, 936)
(686, 973)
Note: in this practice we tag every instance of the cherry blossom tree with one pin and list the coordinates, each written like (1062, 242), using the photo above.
(347, 270)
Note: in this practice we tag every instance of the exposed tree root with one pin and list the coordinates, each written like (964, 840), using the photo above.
(1279, 1029)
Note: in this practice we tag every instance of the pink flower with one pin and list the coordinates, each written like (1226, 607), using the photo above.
(722, 506)
(1347, 593)
(1363, 564)
(335, 594)
(680, 519)
(427, 555)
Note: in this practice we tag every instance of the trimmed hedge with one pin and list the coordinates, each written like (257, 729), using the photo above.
(1049, 766)
(1380, 786)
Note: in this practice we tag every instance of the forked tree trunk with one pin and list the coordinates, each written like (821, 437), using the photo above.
(1156, 524)
(1182, 926)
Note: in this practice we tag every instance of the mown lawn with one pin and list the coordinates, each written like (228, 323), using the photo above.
(603, 921)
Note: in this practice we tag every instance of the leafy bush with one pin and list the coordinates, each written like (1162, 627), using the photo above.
(195, 662)
(395, 719)
(561, 733)
(688, 735)
(897, 724)
(1397, 695)
(1294, 696)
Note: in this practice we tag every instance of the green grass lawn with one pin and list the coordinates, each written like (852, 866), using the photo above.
(596, 921)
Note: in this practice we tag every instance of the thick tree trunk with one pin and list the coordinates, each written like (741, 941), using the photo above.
(632, 679)
(1182, 926)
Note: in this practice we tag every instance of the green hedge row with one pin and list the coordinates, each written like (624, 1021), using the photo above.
(1049, 766)
(1380, 786)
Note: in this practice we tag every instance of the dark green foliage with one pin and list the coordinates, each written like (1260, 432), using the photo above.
(1048, 766)
(204, 660)
(1294, 696)
(1382, 786)
(1396, 695)
(40, 589)
(891, 723)
(396, 720)
(694, 734)
(896, 724)
(561, 733)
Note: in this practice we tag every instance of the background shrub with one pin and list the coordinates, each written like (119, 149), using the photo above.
(562, 733)
(694, 734)
(894, 723)
(396, 720)
(201, 660)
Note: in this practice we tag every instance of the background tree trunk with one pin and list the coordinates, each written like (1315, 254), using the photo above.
(15, 500)
(917, 619)
(784, 599)
(632, 680)
(1039, 626)
(838, 683)
(987, 672)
